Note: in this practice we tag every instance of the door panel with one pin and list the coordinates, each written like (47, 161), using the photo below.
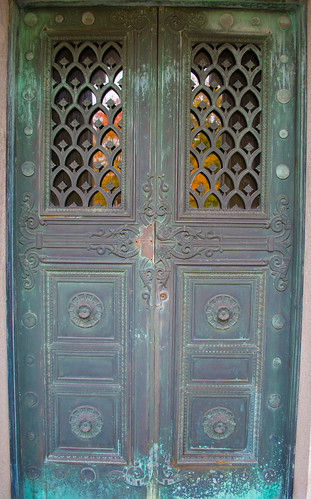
(154, 201)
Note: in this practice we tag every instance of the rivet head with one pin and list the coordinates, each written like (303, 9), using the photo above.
(29, 93)
(30, 19)
(88, 18)
(284, 58)
(277, 362)
(226, 20)
(28, 131)
(29, 56)
(255, 21)
(283, 95)
(28, 168)
(282, 172)
(274, 400)
(283, 133)
(59, 18)
(278, 321)
(284, 22)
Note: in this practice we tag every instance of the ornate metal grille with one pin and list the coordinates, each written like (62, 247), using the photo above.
(86, 136)
(225, 116)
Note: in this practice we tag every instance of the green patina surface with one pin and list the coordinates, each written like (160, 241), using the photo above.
(151, 273)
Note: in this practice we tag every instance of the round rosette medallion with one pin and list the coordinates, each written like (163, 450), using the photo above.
(85, 309)
(218, 423)
(86, 422)
(222, 311)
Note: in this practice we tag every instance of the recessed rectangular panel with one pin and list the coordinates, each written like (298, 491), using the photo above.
(223, 369)
(86, 305)
(87, 363)
(220, 324)
(222, 310)
(217, 423)
(87, 367)
(86, 427)
(86, 309)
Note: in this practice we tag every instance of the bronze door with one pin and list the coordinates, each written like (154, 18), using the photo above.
(154, 200)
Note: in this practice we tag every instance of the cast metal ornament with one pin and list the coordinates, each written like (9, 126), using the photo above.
(222, 311)
(157, 467)
(85, 310)
(218, 423)
(86, 422)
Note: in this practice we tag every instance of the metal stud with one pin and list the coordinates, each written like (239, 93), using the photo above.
(284, 58)
(284, 22)
(29, 319)
(30, 360)
(282, 172)
(283, 95)
(33, 473)
(87, 475)
(283, 133)
(28, 168)
(88, 18)
(30, 399)
(277, 362)
(226, 20)
(278, 321)
(29, 56)
(255, 21)
(28, 131)
(274, 400)
(30, 19)
(59, 18)
(29, 93)
(31, 436)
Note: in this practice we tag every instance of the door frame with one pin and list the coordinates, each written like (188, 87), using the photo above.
(300, 197)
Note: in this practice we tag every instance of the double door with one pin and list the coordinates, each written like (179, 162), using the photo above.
(154, 187)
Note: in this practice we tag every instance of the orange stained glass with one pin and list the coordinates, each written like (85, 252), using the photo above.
(200, 180)
(109, 180)
(110, 142)
(118, 119)
(212, 159)
(99, 157)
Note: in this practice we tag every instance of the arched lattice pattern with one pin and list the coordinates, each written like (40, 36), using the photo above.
(86, 138)
(225, 117)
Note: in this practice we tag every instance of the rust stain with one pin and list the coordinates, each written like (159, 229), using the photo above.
(145, 242)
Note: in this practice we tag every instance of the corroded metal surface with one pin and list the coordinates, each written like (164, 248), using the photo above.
(154, 253)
